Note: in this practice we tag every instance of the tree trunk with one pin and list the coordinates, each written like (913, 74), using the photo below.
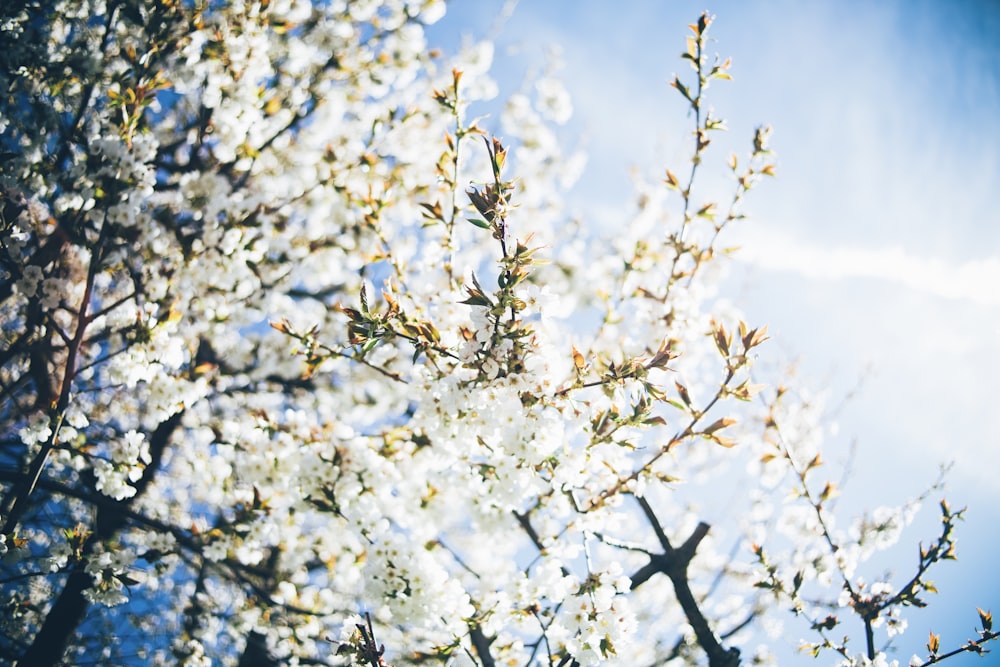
(69, 609)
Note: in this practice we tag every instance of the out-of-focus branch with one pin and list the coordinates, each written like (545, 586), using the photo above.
(68, 610)
(482, 645)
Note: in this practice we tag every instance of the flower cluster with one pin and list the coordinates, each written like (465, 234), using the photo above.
(128, 458)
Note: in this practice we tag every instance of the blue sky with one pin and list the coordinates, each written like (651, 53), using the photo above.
(874, 257)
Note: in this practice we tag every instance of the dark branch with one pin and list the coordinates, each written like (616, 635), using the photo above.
(482, 645)
(674, 563)
(69, 608)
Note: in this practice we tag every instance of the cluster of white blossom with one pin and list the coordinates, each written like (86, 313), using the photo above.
(106, 568)
(128, 457)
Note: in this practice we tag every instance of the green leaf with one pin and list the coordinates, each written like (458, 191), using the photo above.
(479, 223)
(707, 211)
(477, 297)
(682, 89)
(797, 582)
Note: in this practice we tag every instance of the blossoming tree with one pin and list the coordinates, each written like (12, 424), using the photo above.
(300, 364)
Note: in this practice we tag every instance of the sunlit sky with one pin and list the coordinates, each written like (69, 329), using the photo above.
(874, 258)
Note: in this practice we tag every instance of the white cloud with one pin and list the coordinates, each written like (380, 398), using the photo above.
(975, 280)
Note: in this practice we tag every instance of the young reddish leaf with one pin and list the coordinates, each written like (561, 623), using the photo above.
(707, 211)
(753, 337)
(719, 424)
(390, 299)
(746, 391)
(986, 618)
(704, 21)
(723, 441)
(828, 623)
(483, 201)
(432, 211)
(499, 156)
(364, 299)
(662, 357)
(722, 339)
(683, 392)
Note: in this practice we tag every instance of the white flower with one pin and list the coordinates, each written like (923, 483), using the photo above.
(432, 11)
(112, 481)
(554, 100)
(896, 627)
(53, 290)
(131, 449)
(881, 588)
(28, 284)
(76, 417)
(37, 430)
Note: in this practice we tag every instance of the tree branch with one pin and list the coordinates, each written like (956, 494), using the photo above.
(482, 645)
(68, 610)
(674, 563)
